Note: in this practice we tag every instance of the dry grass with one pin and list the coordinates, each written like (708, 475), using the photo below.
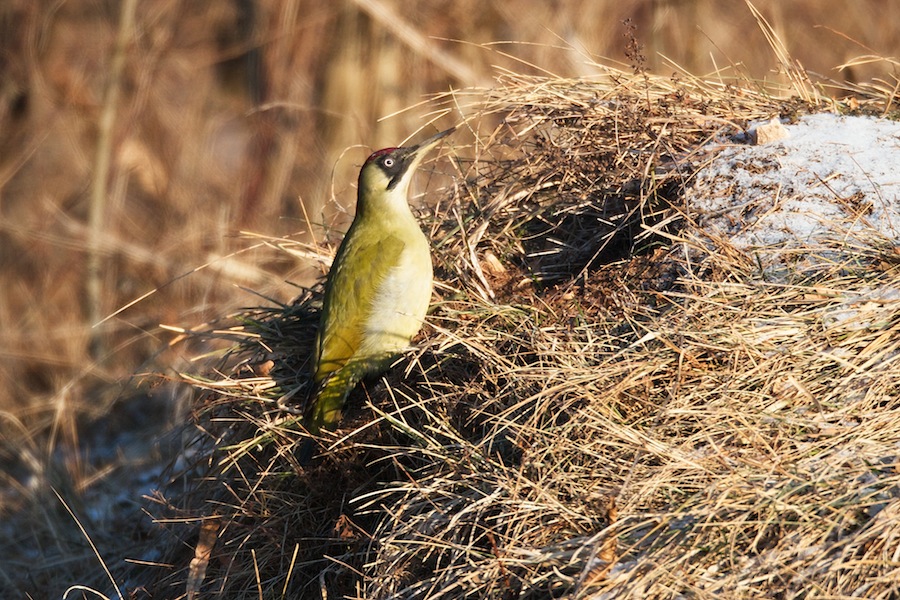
(600, 405)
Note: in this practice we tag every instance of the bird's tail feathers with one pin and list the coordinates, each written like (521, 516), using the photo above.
(329, 403)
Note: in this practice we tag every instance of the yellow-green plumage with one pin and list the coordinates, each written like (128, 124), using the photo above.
(379, 285)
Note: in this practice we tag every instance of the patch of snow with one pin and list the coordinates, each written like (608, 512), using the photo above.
(831, 182)
(870, 309)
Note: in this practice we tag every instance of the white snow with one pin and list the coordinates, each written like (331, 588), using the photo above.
(833, 182)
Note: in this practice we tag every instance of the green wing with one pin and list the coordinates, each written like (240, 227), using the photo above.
(355, 276)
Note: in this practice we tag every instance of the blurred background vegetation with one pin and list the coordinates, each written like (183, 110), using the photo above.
(244, 115)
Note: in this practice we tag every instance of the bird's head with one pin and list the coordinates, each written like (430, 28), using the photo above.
(387, 173)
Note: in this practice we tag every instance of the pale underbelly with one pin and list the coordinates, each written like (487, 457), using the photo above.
(398, 310)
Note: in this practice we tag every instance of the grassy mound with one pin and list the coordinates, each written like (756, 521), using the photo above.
(600, 405)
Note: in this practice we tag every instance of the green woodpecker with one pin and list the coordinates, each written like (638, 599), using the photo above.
(379, 285)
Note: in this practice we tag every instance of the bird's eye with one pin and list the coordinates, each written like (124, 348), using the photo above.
(388, 162)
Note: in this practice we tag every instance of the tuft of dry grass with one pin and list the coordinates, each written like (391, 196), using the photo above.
(601, 406)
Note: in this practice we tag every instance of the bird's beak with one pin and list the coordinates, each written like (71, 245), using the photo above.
(416, 153)
(413, 155)
(430, 142)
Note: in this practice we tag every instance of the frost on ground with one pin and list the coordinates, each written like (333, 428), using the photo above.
(793, 204)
